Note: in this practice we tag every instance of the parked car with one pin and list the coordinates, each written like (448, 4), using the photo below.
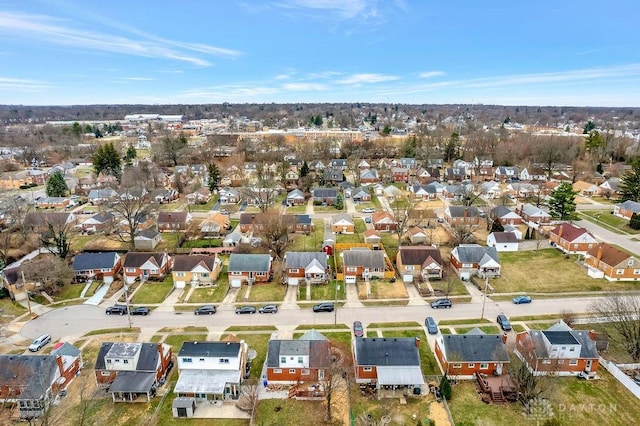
(441, 303)
(367, 219)
(518, 300)
(431, 325)
(205, 310)
(141, 310)
(368, 210)
(39, 343)
(324, 307)
(116, 309)
(246, 310)
(268, 309)
(503, 321)
(358, 330)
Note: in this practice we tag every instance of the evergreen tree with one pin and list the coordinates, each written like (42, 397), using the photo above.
(527, 235)
(634, 223)
(588, 127)
(56, 186)
(445, 387)
(304, 170)
(562, 204)
(339, 202)
(107, 160)
(214, 177)
(496, 226)
(318, 120)
(599, 168)
(630, 183)
(130, 154)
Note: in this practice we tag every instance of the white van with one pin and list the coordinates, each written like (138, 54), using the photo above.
(39, 343)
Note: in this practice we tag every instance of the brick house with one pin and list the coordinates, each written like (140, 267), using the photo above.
(362, 263)
(101, 266)
(259, 222)
(383, 221)
(310, 267)
(34, 381)
(99, 222)
(342, 223)
(472, 353)
(249, 269)
(400, 174)
(506, 216)
(533, 216)
(369, 176)
(296, 198)
(558, 350)
(387, 362)
(468, 260)
(197, 270)
(606, 261)
(132, 371)
(146, 265)
(360, 195)
(425, 262)
(572, 239)
(303, 360)
(627, 209)
(326, 196)
(173, 221)
(52, 202)
(462, 215)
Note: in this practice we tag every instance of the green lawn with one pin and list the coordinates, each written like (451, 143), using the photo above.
(176, 340)
(153, 292)
(609, 220)
(170, 239)
(554, 273)
(394, 324)
(390, 242)
(464, 321)
(326, 291)
(311, 242)
(267, 292)
(69, 291)
(260, 343)
(616, 351)
(9, 310)
(135, 330)
(518, 328)
(297, 209)
(488, 329)
(326, 209)
(321, 326)
(204, 207)
(204, 243)
(208, 294)
(458, 288)
(427, 359)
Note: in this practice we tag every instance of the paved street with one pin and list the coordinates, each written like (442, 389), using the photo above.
(623, 240)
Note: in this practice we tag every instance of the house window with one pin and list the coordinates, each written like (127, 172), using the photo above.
(180, 274)
(105, 270)
(293, 271)
(224, 360)
(299, 360)
(573, 362)
(131, 270)
(236, 273)
(306, 372)
(457, 365)
(125, 361)
(201, 359)
(283, 360)
(471, 365)
(546, 361)
(105, 373)
(467, 265)
(205, 275)
(277, 370)
(292, 371)
(117, 360)
(630, 262)
(636, 272)
(561, 361)
(154, 271)
(572, 349)
(367, 369)
(484, 366)
(108, 361)
(352, 269)
(187, 360)
(619, 271)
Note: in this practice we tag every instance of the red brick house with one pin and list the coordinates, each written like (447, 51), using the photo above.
(400, 174)
(52, 202)
(463, 355)
(462, 215)
(383, 221)
(173, 221)
(627, 209)
(132, 371)
(363, 263)
(259, 222)
(303, 360)
(606, 261)
(102, 266)
(387, 362)
(425, 262)
(308, 267)
(506, 216)
(572, 239)
(34, 381)
(249, 269)
(99, 222)
(146, 265)
(533, 216)
(558, 350)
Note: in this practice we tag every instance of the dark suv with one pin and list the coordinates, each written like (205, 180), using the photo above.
(441, 303)
(503, 321)
(324, 307)
(205, 310)
(116, 309)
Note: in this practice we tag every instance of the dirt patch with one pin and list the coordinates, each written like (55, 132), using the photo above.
(438, 413)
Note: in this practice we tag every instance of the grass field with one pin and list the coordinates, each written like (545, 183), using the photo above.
(69, 291)
(554, 273)
(153, 292)
(382, 289)
(208, 294)
(9, 310)
(311, 242)
(609, 220)
(488, 329)
(267, 292)
(616, 351)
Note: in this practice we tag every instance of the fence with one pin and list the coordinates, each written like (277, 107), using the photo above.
(620, 376)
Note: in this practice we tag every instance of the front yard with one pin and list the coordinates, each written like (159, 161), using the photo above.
(267, 292)
(382, 289)
(548, 271)
(323, 291)
(152, 292)
(208, 294)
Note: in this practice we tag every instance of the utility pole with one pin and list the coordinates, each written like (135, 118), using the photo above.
(126, 301)
(24, 284)
(335, 305)
(484, 294)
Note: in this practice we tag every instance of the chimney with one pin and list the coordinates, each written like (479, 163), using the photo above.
(504, 337)
(417, 342)
(592, 335)
(560, 230)
(60, 364)
(465, 212)
(599, 255)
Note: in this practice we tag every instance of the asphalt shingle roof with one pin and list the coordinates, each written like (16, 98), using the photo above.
(88, 261)
(475, 347)
(387, 351)
(241, 262)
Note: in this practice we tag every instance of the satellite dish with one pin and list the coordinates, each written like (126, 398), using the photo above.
(252, 354)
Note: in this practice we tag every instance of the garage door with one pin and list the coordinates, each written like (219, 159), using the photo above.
(236, 283)
(350, 279)
(292, 281)
(407, 278)
(180, 284)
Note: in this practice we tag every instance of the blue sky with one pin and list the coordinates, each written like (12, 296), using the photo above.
(543, 52)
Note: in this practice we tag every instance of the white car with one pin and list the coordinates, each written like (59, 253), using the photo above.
(368, 210)
(39, 343)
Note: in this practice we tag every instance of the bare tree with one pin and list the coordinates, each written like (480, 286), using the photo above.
(249, 396)
(131, 210)
(622, 312)
(52, 273)
(56, 237)
(262, 188)
(275, 232)
(335, 387)
(461, 234)
(402, 210)
(528, 386)
(13, 233)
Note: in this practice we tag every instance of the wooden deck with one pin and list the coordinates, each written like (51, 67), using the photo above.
(500, 389)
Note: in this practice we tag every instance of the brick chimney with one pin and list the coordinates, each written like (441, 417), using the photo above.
(592, 335)
(599, 255)
(60, 364)
(504, 338)
(417, 342)
(560, 230)
(465, 212)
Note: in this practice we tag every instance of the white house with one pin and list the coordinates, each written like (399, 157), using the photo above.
(503, 241)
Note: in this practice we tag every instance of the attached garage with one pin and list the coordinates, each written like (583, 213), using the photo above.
(407, 278)
(236, 283)
(180, 284)
(293, 280)
(350, 279)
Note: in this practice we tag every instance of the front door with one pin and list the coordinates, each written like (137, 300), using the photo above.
(587, 367)
(320, 374)
(499, 369)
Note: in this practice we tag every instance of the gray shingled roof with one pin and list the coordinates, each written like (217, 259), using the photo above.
(33, 374)
(630, 205)
(210, 349)
(387, 351)
(89, 261)
(365, 258)
(418, 255)
(473, 253)
(301, 259)
(459, 211)
(133, 381)
(239, 262)
(186, 262)
(475, 348)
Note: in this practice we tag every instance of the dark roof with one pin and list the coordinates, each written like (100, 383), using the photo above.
(474, 348)
(210, 349)
(387, 351)
(137, 259)
(148, 233)
(473, 253)
(301, 259)
(133, 381)
(459, 211)
(418, 255)
(610, 255)
(325, 192)
(560, 337)
(149, 357)
(365, 258)
(173, 217)
(102, 217)
(501, 211)
(32, 373)
(187, 262)
(505, 237)
(319, 351)
(104, 349)
(88, 261)
(570, 232)
(241, 262)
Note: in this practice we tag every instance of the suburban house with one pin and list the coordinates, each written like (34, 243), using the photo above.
(342, 223)
(424, 192)
(522, 190)
(503, 241)
(388, 362)
(303, 360)
(417, 235)
(533, 216)
(249, 269)
(196, 270)
(371, 236)
(585, 189)
(99, 196)
(147, 239)
(163, 195)
(52, 202)
(400, 174)
(146, 265)
(383, 221)
(295, 198)
(472, 353)
(369, 176)
(309, 267)
(362, 263)
(326, 196)
(491, 189)
(316, 166)
(468, 260)
(99, 222)
(173, 221)
(504, 173)
(609, 187)
(199, 196)
(259, 222)
(558, 350)
(228, 196)
(100, 266)
(211, 371)
(419, 262)
(462, 215)
(506, 216)
(360, 195)
(571, 239)
(34, 381)
(132, 371)
(606, 261)
(340, 163)
(215, 225)
(627, 209)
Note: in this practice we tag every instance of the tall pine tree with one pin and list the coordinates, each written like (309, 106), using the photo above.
(562, 204)
(630, 183)
(56, 186)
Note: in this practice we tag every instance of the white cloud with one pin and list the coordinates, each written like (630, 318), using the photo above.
(431, 74)
(139, 78)
(48, 30)
(367, 78)
(304, 87)
(23, 85)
